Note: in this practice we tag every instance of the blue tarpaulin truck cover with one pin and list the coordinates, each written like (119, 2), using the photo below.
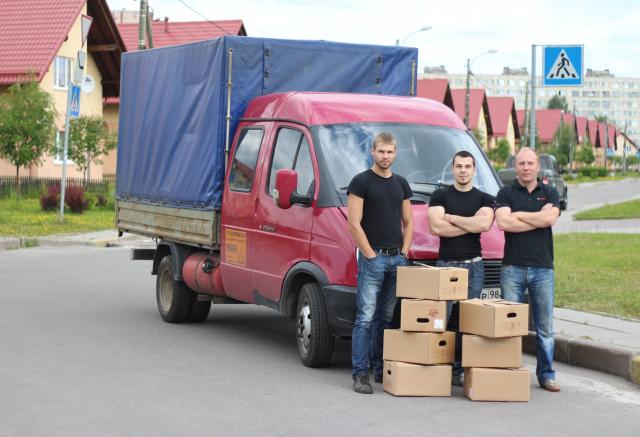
(173, 104)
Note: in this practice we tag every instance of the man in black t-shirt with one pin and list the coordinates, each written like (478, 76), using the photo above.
(458, 214)
(525, 211)
(379, 206)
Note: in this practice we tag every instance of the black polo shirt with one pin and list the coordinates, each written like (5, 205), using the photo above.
(532, 248)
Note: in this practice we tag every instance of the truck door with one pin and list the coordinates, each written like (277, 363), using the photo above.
(238, 215)
(283, 236)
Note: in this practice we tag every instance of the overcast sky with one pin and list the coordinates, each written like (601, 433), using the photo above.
(608, 29)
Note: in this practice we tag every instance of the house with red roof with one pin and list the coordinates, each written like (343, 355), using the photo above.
(42, 38)
(479, 118)
(504, 120)
(593, 136)
(435, 89)
(165, 33)
(581, 129)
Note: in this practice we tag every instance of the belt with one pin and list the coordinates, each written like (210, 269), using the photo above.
(468, 261)
(388, 252)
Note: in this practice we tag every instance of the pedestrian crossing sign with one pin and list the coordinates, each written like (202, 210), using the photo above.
(563, 65)
(74, 109)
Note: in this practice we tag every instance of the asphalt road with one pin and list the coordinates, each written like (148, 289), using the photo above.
(592, 195)
(83, 351)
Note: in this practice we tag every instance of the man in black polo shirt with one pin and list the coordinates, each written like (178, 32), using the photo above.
(458, 214)
(379, 206)
(525, 211)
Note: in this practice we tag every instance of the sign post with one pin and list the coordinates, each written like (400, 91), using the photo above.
(73, 106)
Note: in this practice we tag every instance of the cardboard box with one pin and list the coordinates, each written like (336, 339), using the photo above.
(434, 283)
(497, 384)
(423, 315)
(404, 379)
(491, 352)
(419, 347)
(494, 318)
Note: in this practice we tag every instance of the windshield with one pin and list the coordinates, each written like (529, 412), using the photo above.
(423, 158)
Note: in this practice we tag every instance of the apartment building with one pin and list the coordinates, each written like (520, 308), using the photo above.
(602, 93)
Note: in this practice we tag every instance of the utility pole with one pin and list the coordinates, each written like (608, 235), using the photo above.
(144, 26)
(525, 119)
(532, 111)
(466, 94)
(624, 149)
(574, 140)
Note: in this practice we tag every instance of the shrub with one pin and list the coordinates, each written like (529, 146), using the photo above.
(51, 199)
(593, 172)
(101, 200)
(74, 199)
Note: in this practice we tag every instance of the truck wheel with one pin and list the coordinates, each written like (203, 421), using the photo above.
(314, 337)
(173, 297)
(199, 310)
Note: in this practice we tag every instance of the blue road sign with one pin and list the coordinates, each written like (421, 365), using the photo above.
(74, 110)
(563, 65)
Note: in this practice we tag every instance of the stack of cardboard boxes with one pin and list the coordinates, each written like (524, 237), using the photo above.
(418, 356)
(492, 350)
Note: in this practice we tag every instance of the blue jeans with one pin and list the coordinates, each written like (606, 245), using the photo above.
(476, 281)
(540, 282)
(375, 300)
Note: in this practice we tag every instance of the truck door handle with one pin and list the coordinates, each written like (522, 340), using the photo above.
(267, 228)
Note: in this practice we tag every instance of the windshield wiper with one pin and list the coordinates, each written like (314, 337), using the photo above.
(433, 184)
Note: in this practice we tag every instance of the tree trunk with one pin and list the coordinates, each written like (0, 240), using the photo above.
(17, 182)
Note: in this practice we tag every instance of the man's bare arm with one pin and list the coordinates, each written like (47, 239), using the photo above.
(480, 222)
(439, 226)
(407, 221)
(507, 222)
(355, 207)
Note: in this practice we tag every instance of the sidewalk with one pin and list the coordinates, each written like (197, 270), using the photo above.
(601, 343)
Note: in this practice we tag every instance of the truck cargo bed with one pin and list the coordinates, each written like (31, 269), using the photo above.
(187, 226)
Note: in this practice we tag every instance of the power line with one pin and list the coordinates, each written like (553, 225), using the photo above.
(206, 19)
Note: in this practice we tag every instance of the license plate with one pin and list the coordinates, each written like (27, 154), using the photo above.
(490, 293)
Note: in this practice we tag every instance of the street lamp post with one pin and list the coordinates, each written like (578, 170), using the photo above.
(422, 29)
(468, 85)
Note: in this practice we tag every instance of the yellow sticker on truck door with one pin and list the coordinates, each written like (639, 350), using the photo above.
(236, 247)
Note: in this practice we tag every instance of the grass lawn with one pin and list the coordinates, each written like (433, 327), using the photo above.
(25, 219)
(622, 210)
(619, 176)
(598, 273)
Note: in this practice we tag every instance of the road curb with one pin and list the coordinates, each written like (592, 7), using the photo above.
(611, 359)
(10, 243)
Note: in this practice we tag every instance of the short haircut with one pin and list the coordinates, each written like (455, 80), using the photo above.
(384, 138)
(463, 154)
(525, 149)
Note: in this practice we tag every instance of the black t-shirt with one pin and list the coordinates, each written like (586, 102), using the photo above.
(465, 204)
(382, 210)
(532, 248)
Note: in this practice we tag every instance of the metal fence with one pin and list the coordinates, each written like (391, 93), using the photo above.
(34, 186)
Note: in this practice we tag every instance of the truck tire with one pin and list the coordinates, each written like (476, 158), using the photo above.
(314, 337)
(173, 297)
(199, 310)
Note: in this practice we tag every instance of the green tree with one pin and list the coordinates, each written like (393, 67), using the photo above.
(585, 154)
(501, 152)
(558, 102)
(601, 118)
(27, 125)
(562, 140)
(477, 134)
(89, 140)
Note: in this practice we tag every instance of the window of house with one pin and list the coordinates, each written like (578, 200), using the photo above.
(61, 72)
(244, 161)
(292, 152)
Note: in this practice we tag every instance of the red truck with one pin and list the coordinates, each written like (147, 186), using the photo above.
(279, 237)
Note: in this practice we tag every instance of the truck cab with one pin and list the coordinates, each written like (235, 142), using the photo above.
(284, 237)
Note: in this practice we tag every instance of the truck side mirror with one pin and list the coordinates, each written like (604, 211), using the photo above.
(285, 193)
(286, 183)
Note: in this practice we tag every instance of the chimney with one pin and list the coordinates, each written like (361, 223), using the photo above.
(166, 24)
